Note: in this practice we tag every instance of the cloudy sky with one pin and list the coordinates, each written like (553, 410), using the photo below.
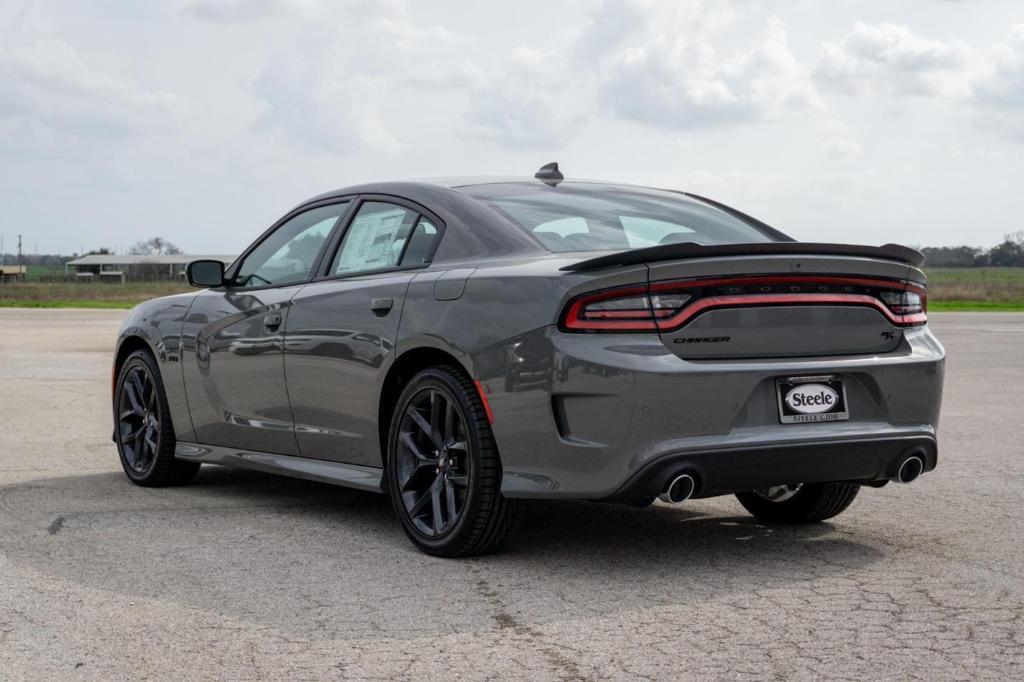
(204, 120)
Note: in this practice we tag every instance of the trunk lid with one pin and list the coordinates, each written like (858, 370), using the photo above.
(794, 305)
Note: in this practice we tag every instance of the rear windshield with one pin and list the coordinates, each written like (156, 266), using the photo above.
(596, 217)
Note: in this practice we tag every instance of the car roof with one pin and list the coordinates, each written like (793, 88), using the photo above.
(412, 189)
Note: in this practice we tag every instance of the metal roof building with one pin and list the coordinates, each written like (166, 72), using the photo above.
(119, 267)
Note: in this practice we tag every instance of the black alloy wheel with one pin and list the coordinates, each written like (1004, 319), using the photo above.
(138, 419)
(432, 462)
(143, 430)
(443, 470)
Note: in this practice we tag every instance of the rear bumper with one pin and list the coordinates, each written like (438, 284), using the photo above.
(730, 470)
(599, 416)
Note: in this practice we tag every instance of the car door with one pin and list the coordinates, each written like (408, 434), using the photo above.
(234, 336)
(341, 328)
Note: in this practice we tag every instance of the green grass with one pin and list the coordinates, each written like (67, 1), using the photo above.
(72, 303)
(974, 306)
(36, 272)
(979, 289)
(73, 294)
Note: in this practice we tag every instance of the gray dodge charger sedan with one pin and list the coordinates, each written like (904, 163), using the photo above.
(462, 345)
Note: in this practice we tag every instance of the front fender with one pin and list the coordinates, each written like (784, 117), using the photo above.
(158, 324)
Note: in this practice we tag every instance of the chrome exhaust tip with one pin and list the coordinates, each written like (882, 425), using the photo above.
(910, 469)
(679, 489)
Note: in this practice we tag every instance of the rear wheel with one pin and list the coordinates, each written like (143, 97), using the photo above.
(443, 471)
(144, 435)
(799, 503)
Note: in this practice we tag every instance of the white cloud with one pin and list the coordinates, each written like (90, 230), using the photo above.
(355, 64)
(331, 109)
(46, 81)
(891, 59)
(652, 63)
(998, 87)
(840, 144)
(670, 74)
(237, 11)
(530, 101)
(1001, 80)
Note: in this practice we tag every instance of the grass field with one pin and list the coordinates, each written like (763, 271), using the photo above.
(958, 289)
(83, 295)
(975, 289)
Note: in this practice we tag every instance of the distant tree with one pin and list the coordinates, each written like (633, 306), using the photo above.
(1008, 254)
(951, 256)
(104, 251)
(156, 246)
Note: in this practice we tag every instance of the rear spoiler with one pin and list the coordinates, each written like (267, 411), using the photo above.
(689, 250)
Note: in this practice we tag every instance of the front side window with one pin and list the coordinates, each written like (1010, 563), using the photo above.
(382, 236)
(288, 255)
(593, 217)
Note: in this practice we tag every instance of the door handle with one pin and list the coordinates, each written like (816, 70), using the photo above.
(272, 322)
(381, 306)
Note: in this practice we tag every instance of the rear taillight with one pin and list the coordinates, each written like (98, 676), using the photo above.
(663, 306)
(903, 302)
(630, 309)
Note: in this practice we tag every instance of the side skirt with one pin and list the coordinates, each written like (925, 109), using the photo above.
(336, 473)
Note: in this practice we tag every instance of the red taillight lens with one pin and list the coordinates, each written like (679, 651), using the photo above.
(663, 306)
(903, 302)
(630, 309)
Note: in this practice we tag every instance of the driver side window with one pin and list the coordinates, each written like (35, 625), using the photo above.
(289, 253)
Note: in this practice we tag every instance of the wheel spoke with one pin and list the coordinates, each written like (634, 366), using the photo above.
(417, 472)
(131, 392)
(410, 442)
(437, 408)
(424, 500)
(449, 423)
(435, 504)
(423, 425)
(458, 445)
(449, 494)
(149, 393)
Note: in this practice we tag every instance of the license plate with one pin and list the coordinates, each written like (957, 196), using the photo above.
(811, 399)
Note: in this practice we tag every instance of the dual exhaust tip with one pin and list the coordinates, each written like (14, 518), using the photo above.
(682, 487)
(910, 469)
(679, 489)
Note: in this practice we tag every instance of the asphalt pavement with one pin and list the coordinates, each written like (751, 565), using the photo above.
(251, 576)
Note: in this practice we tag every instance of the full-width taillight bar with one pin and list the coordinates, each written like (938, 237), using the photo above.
(668, 305)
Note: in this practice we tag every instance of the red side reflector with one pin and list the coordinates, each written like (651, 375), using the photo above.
(483, 398)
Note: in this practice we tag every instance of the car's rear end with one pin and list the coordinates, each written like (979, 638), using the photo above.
(742, 364)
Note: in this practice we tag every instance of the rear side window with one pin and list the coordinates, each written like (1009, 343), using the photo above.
(381, 236)
(592, 217)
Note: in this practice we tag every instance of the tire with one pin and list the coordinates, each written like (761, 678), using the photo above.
(811, 503)
(442, 461)
(142, 426)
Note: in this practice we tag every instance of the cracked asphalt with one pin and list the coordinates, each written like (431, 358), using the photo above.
(251, 576)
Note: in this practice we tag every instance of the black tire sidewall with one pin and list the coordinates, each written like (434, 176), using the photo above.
(165, 437)
(450, 541)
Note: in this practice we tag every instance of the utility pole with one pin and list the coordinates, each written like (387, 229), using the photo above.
(1, 250)
(19, 249)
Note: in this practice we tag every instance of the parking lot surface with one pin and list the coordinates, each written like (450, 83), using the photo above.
(251, 576)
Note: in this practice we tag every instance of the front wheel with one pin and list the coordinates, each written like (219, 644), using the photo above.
(799, 503)
(443, 472)
(144, 434)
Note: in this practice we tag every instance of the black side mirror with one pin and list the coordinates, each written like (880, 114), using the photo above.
(205, 273)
